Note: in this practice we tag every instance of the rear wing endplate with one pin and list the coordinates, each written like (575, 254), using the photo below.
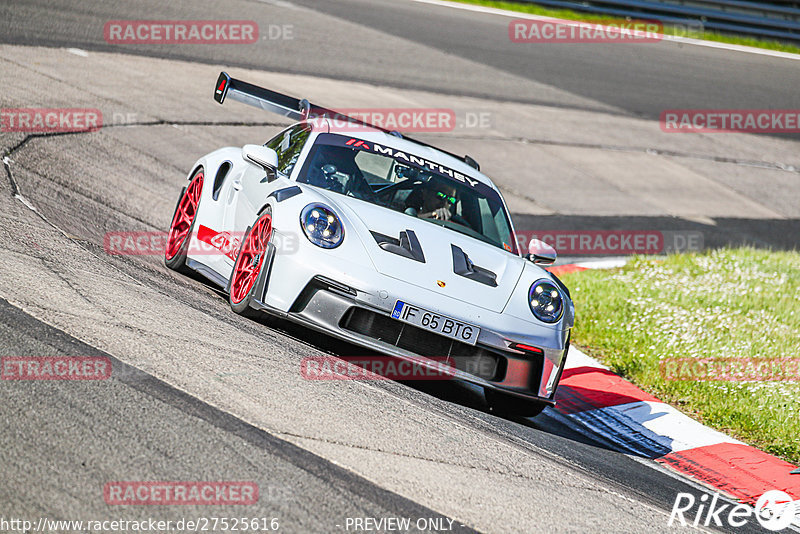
(295, 109)
(247, 93)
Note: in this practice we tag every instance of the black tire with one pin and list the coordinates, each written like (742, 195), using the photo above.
(244, 307)
(178, 261)
(504, 404)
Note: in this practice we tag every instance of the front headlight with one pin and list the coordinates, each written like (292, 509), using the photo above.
(546, 301)
(322, 226)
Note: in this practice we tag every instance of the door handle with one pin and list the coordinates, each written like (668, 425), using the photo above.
(237, 185)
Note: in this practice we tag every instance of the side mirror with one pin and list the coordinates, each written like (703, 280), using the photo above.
(541, 253)
(261, 156)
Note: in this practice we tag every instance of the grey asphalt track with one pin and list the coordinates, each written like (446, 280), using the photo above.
(601, 90)
(420, 46)
(135, 424)
(198, 393)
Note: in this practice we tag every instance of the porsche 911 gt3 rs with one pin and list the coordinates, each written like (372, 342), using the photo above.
(380, 240)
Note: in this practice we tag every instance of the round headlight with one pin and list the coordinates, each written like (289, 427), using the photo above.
(546, 301)
(321, 226)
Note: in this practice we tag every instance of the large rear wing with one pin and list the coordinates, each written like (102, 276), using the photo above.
(247, 93)
(297, 110)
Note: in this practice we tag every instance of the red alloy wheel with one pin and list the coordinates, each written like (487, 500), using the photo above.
(250, 259)
(184, 216)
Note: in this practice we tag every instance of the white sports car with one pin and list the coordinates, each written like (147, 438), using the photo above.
(379, 240)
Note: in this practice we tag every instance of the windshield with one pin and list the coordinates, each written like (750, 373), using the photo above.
(408, 184)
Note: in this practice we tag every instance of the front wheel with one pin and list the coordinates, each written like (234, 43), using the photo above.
(248, 264)
(505, 404)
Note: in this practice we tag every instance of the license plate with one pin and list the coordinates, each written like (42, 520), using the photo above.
(464, 332)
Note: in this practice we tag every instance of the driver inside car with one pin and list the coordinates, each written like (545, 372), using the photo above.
(432, 201)
(324, 168)
(336, 170)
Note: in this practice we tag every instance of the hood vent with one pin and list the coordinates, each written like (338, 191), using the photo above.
(407, 246)
(463, 266)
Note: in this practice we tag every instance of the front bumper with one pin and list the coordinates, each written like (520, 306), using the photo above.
(363, 317)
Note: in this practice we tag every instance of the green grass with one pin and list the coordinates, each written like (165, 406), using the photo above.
(668, 30)
(742, 303)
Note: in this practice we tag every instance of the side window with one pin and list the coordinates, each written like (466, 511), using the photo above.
(288, 144)
(275, 142)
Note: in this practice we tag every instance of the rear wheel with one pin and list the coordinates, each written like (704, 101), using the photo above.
(248, 264)
(180, 230)
(504, 404)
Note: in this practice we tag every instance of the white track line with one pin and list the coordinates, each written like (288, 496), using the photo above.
(611, 263)
(660, 422)
(576, 358)
(656, 421)
(673, 38)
